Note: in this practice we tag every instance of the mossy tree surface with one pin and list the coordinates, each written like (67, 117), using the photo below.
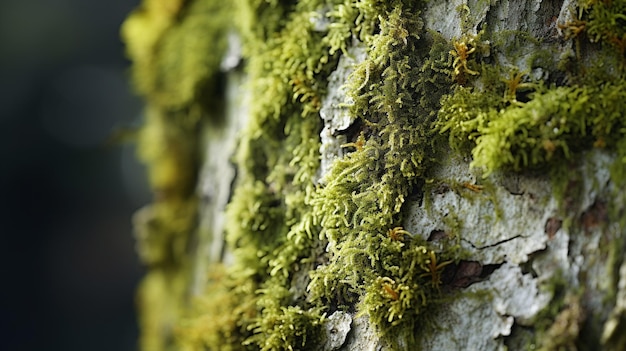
(451, 188)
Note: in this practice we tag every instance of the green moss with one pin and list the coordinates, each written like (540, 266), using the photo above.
(360, 201)
(340, 234)
(213, 319)
(281, 325)
(287, 63)
(361, 198)
(406, 289)
(555, 123)
(164, 288)
(176, 48)
(606, 23)
(549, 123)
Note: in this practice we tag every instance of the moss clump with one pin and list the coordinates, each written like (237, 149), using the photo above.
(406, 288)
(213, 319)
(551, 123)
(176, 47)
(605, 22)
(395, 92)
(281, 325)
(271, 230)
(555, 123)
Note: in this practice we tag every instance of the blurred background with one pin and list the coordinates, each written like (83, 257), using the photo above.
(69, 270)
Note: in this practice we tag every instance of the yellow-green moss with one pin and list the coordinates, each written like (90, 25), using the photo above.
(360, 201)
(554, 123)
(176, 47)
(214, 319)
(605, 22)
(339, 234)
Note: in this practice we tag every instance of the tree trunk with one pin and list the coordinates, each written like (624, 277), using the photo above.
(364, 175)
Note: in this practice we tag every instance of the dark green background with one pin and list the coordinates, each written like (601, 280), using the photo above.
(68, 266)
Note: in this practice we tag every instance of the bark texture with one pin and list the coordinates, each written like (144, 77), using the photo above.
(366, 175)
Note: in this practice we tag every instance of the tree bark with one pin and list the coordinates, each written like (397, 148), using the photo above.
(364, 175)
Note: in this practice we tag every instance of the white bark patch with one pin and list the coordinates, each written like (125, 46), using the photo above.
(335, 107)
(494, 231)
(516, 294)
(216, 178)
(443, 16)
(481, 318)
(336, 327)
(511, 296)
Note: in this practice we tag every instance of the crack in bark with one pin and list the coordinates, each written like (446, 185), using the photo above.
(494, 244)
